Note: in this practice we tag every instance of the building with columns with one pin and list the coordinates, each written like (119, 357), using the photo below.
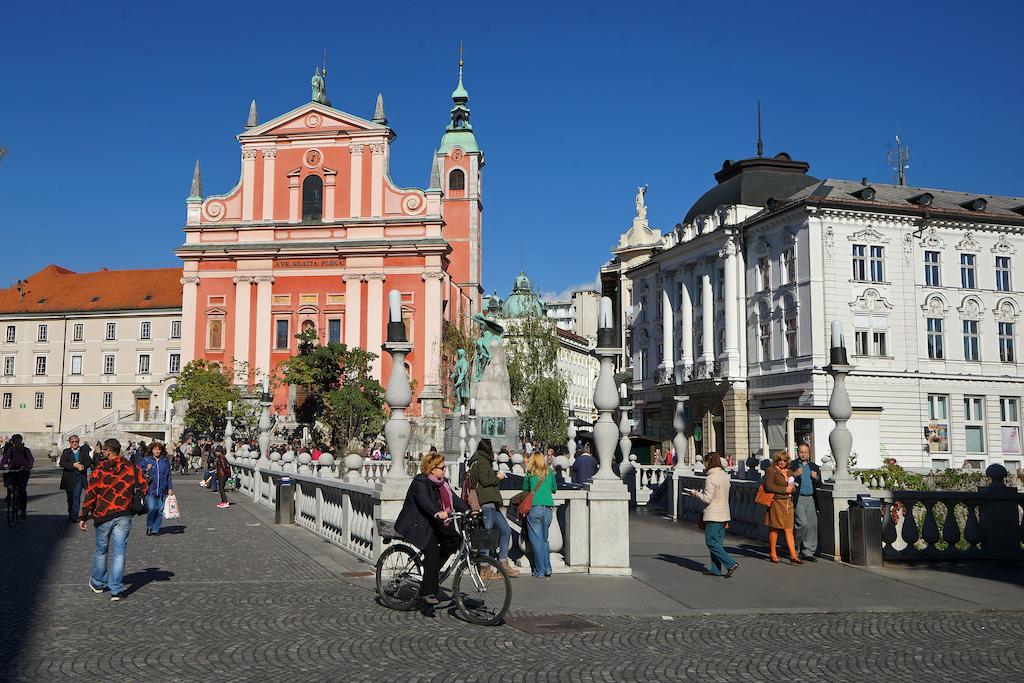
(923, 281)
(314, 235)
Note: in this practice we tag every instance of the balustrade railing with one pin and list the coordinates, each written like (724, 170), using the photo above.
(747, 516)
(646, 478)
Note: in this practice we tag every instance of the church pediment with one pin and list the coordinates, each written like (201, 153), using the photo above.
(311, 117)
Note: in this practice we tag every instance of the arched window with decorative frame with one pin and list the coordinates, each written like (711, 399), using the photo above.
(312, 199)
(457, 179)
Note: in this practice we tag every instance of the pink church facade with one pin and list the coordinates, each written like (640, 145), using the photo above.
(315, 234)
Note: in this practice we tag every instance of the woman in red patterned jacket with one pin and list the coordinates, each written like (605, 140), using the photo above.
(108, 502)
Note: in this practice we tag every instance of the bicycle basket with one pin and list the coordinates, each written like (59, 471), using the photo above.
(386, 529)
(484, 539)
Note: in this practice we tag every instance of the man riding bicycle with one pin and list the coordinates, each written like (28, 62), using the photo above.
(17, 456)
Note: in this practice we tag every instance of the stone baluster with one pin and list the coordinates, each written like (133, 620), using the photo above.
(625, 427)
(462, 433)
(229, 431)
(474, 428)
(570, 433)
(681, 442)
(397, 430)
(265, 423)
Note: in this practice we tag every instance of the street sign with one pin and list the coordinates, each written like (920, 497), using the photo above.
(698, 433)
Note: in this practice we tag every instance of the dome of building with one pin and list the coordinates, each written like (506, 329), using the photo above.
(752, 182)
(522, 301)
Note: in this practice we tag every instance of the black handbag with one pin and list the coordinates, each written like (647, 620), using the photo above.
(139, 506)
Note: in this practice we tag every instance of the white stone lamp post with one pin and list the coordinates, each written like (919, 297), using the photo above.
(229, 430)
(681, 442)
(398, 395)
(606, 398)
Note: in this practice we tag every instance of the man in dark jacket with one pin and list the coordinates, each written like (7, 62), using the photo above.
(584, 467)
(805, 502)
(75, 462)
(484, 480)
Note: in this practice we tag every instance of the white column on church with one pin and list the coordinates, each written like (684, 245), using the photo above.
(686, 315)
(356, 182)
(707, 298)
(431, 347)
(353, 308)
(264, 332)
(377, 179)
(375, 306)
(189, 323)
(293, 198)
(248, 182)
(732, 351)
(330, 182)
(243, 308)
(667, 326)
(269, 162)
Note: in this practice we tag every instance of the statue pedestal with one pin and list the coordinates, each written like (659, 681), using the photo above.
(429, 427)
(498, 420)
(609, 527)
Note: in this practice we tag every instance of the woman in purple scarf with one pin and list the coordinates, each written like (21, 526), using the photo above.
(424, 521)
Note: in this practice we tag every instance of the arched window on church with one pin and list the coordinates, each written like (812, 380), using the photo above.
(457, 180)
(312, 199)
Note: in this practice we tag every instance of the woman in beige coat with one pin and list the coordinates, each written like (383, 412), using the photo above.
(716, 515)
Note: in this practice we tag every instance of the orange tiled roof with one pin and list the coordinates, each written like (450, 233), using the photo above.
(58, 290)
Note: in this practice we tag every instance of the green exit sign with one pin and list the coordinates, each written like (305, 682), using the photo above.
(22, 405)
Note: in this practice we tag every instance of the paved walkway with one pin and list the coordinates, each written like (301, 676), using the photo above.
(224, 595)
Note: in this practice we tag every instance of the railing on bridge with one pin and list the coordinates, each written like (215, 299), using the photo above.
(646, 478)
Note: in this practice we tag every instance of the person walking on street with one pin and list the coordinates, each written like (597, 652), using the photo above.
(75, 462)
(808, 478)
(716, 515)
(108, 502)
(424, 522)
(18, 456)
(484, 481)
(780, 515)
(541, 481)
(584, 467)
(156, 468)
(223, 469)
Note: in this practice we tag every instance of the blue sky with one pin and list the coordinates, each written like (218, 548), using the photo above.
(106, 106)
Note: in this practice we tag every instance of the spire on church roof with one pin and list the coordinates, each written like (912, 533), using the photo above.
(435, 176)
(459, 132)
(197, 184)
(378, 112)
(254, 118)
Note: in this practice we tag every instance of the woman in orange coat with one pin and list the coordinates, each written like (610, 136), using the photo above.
(780, 515)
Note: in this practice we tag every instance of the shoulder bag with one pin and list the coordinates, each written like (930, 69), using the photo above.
(523, 501)
(763, 497)
(469, 494)
(138, 499)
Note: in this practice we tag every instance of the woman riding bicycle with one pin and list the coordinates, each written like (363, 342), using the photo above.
(17, 456)
(424, 521)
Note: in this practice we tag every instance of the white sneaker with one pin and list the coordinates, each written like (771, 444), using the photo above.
(94, 588)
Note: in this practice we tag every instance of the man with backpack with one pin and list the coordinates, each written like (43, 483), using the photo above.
(480, 491)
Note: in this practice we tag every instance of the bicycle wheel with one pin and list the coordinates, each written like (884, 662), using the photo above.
(399, 573)
(12, 507)
(482, 600)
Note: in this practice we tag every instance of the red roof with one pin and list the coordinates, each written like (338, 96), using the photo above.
(58, 290)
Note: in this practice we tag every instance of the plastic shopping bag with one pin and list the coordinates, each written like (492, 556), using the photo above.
(171, 507)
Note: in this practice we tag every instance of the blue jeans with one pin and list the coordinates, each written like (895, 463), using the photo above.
(154, 513)
(714, 536)
(493, 517)
(75, 496)
(113, 532)
(538, 521)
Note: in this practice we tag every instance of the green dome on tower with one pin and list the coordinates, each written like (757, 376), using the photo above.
(522, 301)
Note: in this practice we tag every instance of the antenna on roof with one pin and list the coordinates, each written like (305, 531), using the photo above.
(760, 143)
(899, 161)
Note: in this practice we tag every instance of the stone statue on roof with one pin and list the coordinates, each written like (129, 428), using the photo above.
(641, 205)
(319, 86)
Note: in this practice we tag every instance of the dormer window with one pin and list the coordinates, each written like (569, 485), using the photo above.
(867, 194)
(979, 204)
(312, 199)
(924, 199)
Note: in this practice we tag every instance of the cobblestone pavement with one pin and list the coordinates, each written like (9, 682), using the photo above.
(223, 597)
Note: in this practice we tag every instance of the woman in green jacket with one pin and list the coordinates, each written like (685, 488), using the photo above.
(484, 481)
(541, 480)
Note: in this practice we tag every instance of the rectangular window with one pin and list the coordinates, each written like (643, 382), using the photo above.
(1007, 352)
(43, 333)
(108, 364)
(111, 332)
(863, 342)
(791, 338)
(789, 262)
(8, 400)
(8, 366)
(281, 334)
(40, 365)
(76, 400)
(11, 333)
(1003, 283)
(932, 270)
(143, 363)
(76, 365)
(935, 350)
(877, 264)
(860, 264)
(108, 400)
(720, 289)
(878, 340)
(174, 363)
(968, 277)
(972, 345)
(1009, 416)
(145, 329)
(334, 331)
(764, 273)
(175, 329)
(871, 335)
(79, 332)
(39, 400)
(974, 424)
(766, 341)
(936, 432)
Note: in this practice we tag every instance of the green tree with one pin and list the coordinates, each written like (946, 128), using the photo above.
(544, 415)
(531, 351)
(207, 387)
(340, 401)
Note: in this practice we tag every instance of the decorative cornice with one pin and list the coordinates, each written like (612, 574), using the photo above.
(935, 305)
(970, 308)
(1006, 311)
(931, 240)
(1003, 247)
(870, 301)
(968, 243)
(868, 234)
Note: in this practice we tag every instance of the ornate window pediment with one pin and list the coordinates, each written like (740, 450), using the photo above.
(931, 240)
(1004, 247)
(870, 301)
(935, 306)
(868, 235)
(970, 308)
(968, 243)
(1006, 311)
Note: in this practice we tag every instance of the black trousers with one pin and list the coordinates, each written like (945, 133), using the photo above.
(19, 480)
(439, 548)
(221, 485)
